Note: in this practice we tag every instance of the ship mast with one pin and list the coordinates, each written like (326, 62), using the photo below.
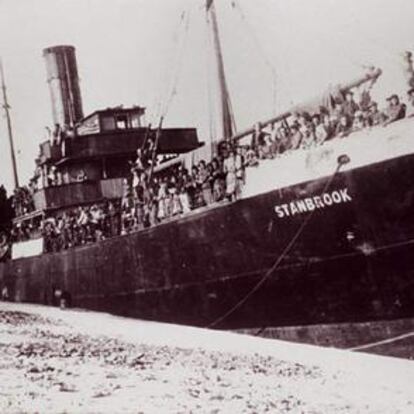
(6, 107)
(227, 120)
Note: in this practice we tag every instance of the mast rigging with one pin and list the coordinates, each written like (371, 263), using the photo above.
(6, 107)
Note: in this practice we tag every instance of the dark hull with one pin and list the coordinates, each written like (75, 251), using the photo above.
(352, 262)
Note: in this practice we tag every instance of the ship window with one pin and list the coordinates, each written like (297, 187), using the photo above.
(108, 123)
(135, 121)
(121, 121)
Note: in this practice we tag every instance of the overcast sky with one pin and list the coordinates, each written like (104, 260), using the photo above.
(127, 51)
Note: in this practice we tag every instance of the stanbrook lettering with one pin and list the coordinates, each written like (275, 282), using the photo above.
(309, 204)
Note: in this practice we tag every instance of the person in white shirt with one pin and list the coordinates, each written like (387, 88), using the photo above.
(230, 168)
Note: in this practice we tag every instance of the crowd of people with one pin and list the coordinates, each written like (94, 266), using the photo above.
(81, 225)
(75, 227)
(150, 200)
(152, 195)
(305, 130)
(22, 201)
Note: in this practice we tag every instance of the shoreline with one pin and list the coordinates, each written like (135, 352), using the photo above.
(76, 361)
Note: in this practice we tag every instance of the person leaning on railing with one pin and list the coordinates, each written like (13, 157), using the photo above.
(218, 180)
(193, 188)
(349, 106)
(344, 126)
(395, 111)
(230, 169)
(374, 115)
(204, 183)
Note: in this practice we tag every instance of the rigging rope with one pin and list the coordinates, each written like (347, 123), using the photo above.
(236, 5)
(185, 19)
(179, 42)
(276, 264)
(171, 90)
(154, 150)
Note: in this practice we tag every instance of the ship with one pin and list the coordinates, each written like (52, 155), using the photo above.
(322, 235)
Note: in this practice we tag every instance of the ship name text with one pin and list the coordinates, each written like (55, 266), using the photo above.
(309, 204)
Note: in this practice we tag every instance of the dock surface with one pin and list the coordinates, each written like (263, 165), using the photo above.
(74, 361)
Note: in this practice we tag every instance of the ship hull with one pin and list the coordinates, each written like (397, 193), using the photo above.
(345, 256)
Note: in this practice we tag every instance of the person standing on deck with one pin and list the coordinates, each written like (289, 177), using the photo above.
(344, 126)
(153, 208)
(218, 180)
(83, 223)
(375, 116)
(203, 183)
(126, 194)
(240, 171)
(111, 218)
(139, 162)
(319, 131)
(349, 107)
(162, 199)
(174, 198)
(295, 139)
(359, 122)
(184, 182)
(324, 130)
(192, 188)
(230, 168)
(410, 109)
(136, 180)
(258, 139)
(395, 111)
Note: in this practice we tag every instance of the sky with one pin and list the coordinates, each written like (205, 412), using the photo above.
(277, 53)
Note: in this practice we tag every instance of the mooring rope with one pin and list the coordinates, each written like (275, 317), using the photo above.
(382, 342)
(341, 161)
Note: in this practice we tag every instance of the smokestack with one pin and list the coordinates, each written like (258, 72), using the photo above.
(63, 80)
